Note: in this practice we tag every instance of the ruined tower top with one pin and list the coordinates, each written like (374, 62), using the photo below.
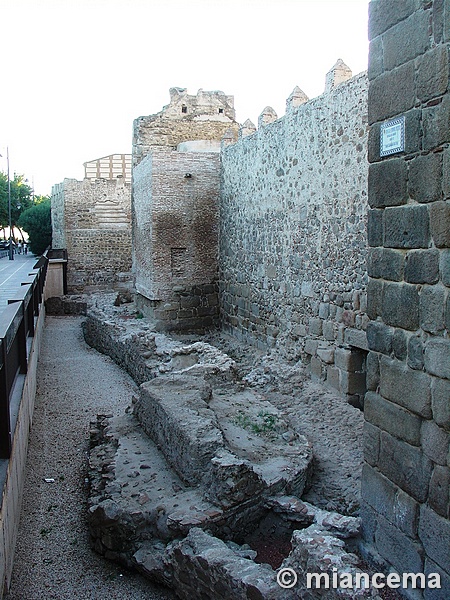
(206, 116)
(204, 106)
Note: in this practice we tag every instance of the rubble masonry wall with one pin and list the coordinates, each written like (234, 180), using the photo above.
(292, 246)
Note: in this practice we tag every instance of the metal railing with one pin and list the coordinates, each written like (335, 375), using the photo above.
(17, 324)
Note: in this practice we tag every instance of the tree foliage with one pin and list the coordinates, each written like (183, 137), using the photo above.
(21, 198)
(37, 222)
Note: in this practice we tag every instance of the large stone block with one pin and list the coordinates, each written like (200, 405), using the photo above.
(379, 337)
(372, 371)
(405, 465)
(388, 183)
(436, 124)
(431, 309)
(447, 313)
(405, 555)
(441, 593)
(400, 344)
(432, 73)
(440, 402)
(392, 93)
(406, 227)
(406, 40)
(434, 532)
(384, 14)
(369, 523)
(374, 298)
(347, 359)
(389, 501)
(440, 224)
(437, 357)
(375, 227)
(400, 305)
(415, 353)
(385, 263)
(425, 178)
(446, 173)
(439, 494)
(406, 387)
(375, 67)
(356, 338)
(435, 442)
(371, 444)
(445, 267)
(392, 418)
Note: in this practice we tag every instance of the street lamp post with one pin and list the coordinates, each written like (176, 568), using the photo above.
(11, 251)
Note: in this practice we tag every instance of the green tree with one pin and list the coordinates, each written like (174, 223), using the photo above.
(37, 222)
(21, 199)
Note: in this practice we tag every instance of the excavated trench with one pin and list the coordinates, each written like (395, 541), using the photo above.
(203, 481)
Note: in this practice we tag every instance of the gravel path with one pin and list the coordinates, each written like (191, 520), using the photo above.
(53, 558)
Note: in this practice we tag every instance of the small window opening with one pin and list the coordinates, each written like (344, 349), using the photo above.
(184, 109)
(220, 111)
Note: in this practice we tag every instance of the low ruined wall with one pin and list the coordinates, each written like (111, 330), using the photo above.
(127, 350)
(406, 478)
(293, 234)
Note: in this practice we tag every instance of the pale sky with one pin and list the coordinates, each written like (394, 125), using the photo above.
(77, 72)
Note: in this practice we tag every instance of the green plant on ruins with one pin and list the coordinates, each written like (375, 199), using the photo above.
(260, 424)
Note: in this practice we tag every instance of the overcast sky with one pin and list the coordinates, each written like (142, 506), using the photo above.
(77, 72)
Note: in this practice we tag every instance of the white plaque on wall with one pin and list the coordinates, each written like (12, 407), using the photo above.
(392, 136)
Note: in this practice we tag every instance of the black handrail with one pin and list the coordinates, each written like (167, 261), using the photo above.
(17, 323)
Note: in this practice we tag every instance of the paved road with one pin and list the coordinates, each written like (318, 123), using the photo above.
(12, 273)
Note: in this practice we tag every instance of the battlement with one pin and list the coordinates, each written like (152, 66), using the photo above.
(338, 74)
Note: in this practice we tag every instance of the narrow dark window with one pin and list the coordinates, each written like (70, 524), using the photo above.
(220, 111)
(184, 109)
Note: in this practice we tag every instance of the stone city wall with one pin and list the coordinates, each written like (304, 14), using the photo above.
(92, 220)
(292, 249)
(406, 477)
(175, 237)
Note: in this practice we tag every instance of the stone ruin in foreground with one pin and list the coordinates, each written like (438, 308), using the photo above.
(198, 486)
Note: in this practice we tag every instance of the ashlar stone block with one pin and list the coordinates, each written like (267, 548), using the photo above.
(425, 178)
(440, 223)
(406, 387)
(392, 418)
(432, 304)
(437, 357)
(400, 305)
(388, 183)
(435, 442)
(405, 465)
(434, 532)
(440, 402)
(406, 227)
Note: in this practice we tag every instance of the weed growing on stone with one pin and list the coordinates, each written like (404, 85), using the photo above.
(263, 423)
